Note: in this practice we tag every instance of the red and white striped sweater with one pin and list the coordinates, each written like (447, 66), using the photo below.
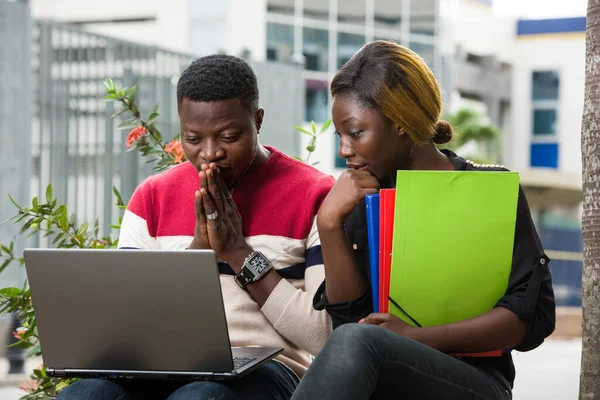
(278, 203)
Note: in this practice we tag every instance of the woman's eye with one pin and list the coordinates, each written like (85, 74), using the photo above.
(355, 133)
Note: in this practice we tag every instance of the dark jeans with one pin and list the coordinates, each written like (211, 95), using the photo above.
(271, 381)
(369, 362)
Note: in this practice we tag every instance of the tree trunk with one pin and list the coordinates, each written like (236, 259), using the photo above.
(589, 387)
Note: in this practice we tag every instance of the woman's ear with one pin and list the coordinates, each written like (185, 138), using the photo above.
(400, 130)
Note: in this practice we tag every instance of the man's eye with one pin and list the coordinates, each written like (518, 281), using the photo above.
(230, 138)
(193, 140)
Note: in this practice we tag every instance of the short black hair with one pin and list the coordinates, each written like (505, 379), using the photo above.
(219, 77)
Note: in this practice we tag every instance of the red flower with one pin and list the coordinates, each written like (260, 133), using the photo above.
(134, 135)
(29, 386)
(175, 150)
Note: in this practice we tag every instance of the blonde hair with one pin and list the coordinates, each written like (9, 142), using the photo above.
(397, 82)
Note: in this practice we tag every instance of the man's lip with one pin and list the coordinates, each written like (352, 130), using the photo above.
(357, 166)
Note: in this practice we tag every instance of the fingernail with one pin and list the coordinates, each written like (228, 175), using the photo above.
(361, 321)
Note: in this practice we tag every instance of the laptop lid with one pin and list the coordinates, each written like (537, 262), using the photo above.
(129, 309)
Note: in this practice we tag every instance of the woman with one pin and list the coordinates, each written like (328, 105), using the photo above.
(386, 109)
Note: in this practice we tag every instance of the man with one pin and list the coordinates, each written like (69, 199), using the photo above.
(242, 200)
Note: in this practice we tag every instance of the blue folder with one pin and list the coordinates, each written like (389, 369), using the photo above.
(372, 204)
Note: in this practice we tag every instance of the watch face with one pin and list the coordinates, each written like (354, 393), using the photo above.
(258, 264)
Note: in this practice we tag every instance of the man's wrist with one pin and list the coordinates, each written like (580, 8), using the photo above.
(236, 258)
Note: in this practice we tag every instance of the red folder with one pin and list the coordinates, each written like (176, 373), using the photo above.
(387, 198)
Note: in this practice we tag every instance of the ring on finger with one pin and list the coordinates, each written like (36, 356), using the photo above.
(212, 215)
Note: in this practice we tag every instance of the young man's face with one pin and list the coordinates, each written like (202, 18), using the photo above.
(224, 132)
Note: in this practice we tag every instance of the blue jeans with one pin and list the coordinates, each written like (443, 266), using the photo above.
(273, 380)
(360, 362)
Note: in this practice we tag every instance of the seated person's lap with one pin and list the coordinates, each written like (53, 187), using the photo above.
(273, 381)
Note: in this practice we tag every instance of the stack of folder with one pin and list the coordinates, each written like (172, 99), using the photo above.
(441, 245)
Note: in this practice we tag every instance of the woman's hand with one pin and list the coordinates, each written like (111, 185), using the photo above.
(349, 190)
(392, 323)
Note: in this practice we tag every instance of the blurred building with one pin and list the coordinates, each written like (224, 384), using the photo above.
(526, 76)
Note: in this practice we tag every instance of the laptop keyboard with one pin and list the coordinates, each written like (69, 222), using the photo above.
(239, 362)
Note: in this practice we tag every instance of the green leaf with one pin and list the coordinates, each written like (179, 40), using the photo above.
(35, 351)
(131, 123)
(310, 148)
(10, 292)
(82, 229)
(133, 93)
(49, 194)
(118, 196)
(64, 223)
(5, 264)
(62, 384)
(314, 127)
(325, 126)
(110, 85)
(121, 111)
(14, 202)
(34, 204)
(303, 130)
(26, 226)
(152, 118)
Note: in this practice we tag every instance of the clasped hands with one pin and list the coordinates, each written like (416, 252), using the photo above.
(218, 221)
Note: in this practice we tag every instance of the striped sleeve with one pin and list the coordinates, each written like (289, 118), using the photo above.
(136, 227)
(287, 305)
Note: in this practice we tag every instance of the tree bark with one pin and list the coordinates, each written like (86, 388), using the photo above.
(589, 387)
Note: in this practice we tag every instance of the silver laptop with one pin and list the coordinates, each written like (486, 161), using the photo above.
(134, 314)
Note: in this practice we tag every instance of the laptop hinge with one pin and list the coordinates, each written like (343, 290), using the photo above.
(56, 372)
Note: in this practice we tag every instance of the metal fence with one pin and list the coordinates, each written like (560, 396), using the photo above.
(75, 144)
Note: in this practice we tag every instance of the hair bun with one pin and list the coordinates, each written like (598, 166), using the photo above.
(443, 132)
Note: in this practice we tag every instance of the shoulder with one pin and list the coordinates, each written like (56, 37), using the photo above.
(304, 176)
(177, 175)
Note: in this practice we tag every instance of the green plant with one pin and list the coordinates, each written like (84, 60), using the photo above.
(50, 219)
(312, 145)
(470, 127)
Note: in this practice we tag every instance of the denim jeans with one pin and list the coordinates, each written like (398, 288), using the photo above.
(369, 362)
(273, 380)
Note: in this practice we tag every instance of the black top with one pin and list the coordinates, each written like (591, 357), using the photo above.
(529, 294)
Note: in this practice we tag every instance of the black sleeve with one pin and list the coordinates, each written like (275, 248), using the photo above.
(530, 295)
(351, 311)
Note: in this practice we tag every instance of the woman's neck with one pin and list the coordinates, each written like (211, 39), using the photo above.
(428, 157)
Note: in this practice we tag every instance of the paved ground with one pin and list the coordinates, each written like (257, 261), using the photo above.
(550, 372)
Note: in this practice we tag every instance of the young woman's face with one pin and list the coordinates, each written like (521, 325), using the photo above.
(367, 139)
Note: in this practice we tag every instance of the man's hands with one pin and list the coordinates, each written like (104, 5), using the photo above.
(218, 222)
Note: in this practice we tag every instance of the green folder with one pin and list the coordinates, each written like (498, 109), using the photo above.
(453, 243)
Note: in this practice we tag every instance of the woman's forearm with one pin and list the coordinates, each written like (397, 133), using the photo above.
(344, 280)
(497, 329)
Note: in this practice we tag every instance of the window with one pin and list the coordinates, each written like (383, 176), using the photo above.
(280, 42)
(424, 50)
(315, 49)
(348, 44)
(544, 155)
(316, 100)
(545, 85)
(544, 119)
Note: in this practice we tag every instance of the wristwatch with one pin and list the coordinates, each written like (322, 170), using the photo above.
(254, 268)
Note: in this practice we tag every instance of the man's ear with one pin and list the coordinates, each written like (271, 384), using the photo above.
(258, 118)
